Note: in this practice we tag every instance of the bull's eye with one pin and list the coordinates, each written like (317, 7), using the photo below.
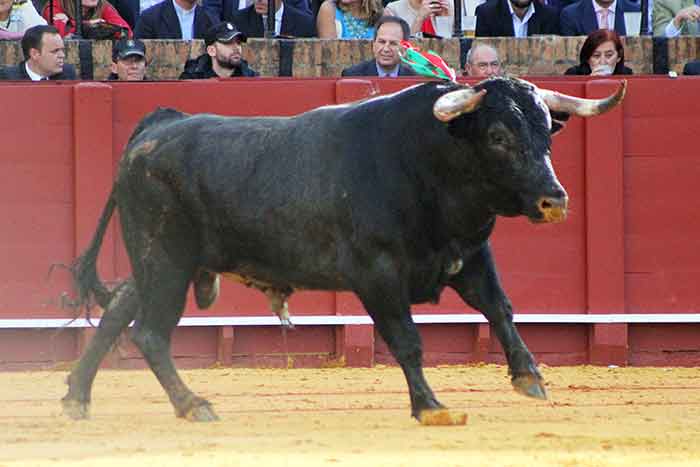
(498, 139)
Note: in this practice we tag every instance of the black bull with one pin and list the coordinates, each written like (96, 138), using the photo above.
(393, 198)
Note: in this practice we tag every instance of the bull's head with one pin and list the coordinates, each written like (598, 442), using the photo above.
(511, 133)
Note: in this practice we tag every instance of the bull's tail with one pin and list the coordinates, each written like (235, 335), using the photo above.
(84, 269)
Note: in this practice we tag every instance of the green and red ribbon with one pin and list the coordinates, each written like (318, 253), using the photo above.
(426, 63)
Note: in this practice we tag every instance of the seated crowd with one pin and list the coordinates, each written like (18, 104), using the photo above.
(225, 26)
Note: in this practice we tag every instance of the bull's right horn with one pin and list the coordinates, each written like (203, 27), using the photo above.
(455, 103)
(579, 106)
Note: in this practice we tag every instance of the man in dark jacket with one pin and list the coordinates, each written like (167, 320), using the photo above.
(515, 18)
(224, 55)
(174, 19)
(289, 21)
(44, 54)
(388, 33)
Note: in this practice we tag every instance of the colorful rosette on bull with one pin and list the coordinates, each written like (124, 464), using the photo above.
(425, 63)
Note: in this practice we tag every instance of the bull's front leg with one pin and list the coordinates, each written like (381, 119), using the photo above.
(386, 301)
(479, 286)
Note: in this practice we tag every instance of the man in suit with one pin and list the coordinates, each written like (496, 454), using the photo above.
(220, 9)
(673, 18)
(388, 34)
(174, 19)
(586, 16)
(289, 21)
(515, 18)
(44, 54)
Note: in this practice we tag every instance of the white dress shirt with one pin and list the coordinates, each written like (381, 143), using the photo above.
(32, 75)
(520, 25)
(186, 19)
(611, 15)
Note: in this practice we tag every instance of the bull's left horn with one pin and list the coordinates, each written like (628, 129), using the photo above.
(579, 106)
(453, 104)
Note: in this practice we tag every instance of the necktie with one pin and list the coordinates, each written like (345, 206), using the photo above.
(604, 18)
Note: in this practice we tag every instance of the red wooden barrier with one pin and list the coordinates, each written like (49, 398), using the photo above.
(627, 247)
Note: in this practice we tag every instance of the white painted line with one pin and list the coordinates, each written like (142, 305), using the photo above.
(335, 320)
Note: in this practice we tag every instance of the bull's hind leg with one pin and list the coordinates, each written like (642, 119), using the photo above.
(118, 314)
(152, 333)
(388, 305)
(480, 288)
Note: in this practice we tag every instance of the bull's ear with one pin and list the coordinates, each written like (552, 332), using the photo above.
(559, 120)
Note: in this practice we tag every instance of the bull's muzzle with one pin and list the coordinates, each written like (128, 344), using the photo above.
(553, 209)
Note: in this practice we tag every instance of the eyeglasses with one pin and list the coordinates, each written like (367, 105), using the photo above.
(483, 66)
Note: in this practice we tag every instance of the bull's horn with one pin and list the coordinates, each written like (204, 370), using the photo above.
(455, 103)
(579, 106)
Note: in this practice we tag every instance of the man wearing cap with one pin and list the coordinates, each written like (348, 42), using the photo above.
(128, 60)
(224, 55)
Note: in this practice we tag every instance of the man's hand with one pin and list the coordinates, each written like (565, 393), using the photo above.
(691, 13)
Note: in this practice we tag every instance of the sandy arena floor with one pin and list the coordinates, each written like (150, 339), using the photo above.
(335, 417)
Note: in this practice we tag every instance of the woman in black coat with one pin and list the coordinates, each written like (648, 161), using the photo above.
(601, 54)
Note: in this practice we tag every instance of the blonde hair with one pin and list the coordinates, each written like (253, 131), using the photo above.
(370, 10)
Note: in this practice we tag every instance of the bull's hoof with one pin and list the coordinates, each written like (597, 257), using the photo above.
(202, 413)
(441, 417)
(286, 323)
(530, 386)
(75, 409)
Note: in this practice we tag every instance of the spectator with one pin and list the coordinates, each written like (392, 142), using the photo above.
(289, 21)
(174, 19)
(17, 17)
(128, 60)
(673, 18)
(385, 47)
(482, 62)
(100, 19)
(224, 55)
(423, 15)
(515, 18)
(601, 54)
(586, 16)
(131, 9)
(348, 19)
(44, 54)
(222, 9)
(692, 68)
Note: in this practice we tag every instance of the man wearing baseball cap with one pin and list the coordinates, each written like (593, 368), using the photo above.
(224, 55)
(128, 60)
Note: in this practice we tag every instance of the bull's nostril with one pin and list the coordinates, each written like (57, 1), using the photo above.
(545, 204)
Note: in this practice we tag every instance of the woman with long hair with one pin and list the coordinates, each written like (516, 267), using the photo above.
(348, 19)
(601, 54)
(97, 15)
